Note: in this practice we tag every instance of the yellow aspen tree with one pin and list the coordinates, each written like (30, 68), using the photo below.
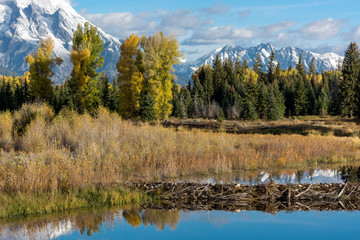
(160, 54)
(80, 61)
(129, 77)
(41, 64)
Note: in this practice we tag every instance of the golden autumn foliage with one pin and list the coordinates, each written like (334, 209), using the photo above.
(80, 60)
(130, 79)
(41, 64)
(160, 54)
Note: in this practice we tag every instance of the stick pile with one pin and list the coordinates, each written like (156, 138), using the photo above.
(268, 198)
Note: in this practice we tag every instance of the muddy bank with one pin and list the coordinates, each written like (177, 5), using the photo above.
(268, 198)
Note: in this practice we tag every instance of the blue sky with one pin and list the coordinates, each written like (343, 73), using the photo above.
(202, 26)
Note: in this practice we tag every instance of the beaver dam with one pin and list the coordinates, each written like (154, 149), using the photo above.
(268, 198)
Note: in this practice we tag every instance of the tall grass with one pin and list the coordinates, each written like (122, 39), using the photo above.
(72, 152)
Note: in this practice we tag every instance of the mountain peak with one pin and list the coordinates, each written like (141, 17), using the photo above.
(24, 22)
(47, 6)
(288, 56)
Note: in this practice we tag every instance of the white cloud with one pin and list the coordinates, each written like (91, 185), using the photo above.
(180, 22)
(217, 9)
(277, 27)
(322, 29)
(226, 34)
(218, 35)
(354, 34)
(245, 13)
(123, 24)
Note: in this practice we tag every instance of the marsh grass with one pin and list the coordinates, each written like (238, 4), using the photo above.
(70, 153)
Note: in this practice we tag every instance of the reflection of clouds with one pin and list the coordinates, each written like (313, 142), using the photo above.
(47, 231)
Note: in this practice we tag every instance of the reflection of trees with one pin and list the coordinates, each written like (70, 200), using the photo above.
(158, 218)
(161, 218)
(132, 217)
(91, 222)
(350, 174)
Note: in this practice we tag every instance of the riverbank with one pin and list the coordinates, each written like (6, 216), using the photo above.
(21, 204)
(52, 163)
(190, 196)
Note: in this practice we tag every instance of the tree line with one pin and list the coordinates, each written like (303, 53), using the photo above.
(234, 90)
(145, 87)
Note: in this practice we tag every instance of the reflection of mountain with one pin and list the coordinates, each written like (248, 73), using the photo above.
(316, 176)
(38, 230)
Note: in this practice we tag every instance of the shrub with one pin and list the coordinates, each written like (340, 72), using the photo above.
(27, 114)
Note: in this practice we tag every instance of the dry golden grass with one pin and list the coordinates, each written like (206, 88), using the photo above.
(73, 152)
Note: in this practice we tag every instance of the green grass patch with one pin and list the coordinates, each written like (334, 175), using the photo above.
(21, 204)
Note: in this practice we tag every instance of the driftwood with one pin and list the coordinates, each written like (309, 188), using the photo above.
(269, 197)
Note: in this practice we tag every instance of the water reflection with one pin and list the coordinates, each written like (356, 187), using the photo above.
(87, 223)
(276, 176)
(136, 223)
(158, 218)
(350, 174)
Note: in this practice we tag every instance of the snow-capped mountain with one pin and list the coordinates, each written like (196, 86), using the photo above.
(288, 56)
(24, 22)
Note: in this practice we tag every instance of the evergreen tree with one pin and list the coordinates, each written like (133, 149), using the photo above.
(105, 91)
(300, 100)
(349, 84)
(258, 65)
(271, 68)
(147, 107)
(301, 68)
(218, 79)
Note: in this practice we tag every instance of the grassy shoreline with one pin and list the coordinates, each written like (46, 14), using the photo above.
(20, 204)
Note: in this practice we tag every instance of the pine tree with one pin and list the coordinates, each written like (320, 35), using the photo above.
(249, 110)
(105, 90)
(218, 79)
(41, 64)
(300, 100)
(271, 68)
(301, 68)
(147, 107)
(312, 69)
(349, 92)
(258, 65)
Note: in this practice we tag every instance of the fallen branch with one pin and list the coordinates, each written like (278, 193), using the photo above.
(341, 193)
(296, 196)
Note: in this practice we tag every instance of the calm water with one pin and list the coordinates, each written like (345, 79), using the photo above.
(316, 176)
(159, 224)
